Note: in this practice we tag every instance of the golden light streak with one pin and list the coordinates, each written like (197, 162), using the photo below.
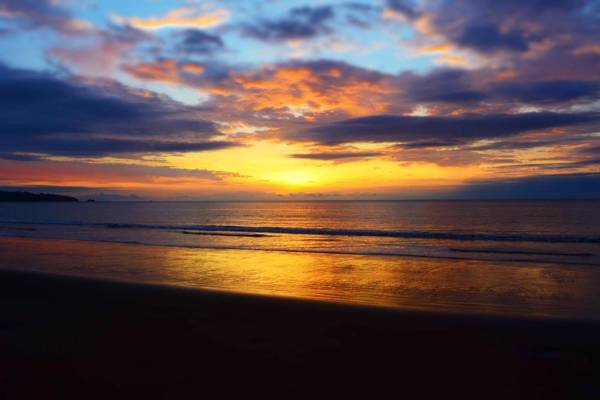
(182, 17)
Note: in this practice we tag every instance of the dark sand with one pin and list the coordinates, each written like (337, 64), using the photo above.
(65, 337)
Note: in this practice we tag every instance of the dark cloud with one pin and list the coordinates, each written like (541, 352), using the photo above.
(551, 30)
(547, 91)
(441, 85)
(563, 186)
(195, 41)
(39, 14)
(44, 189)
(111, 172)
(531, 143)
(101, 147)
(300, 23)
(41, 113)
(361, 15)
(591, 150)
(572, 165)
(18, 157)
(442, 156)
(36, 104)
(467, 87)
(520, 145)
(464, 96)
(432, 129)
(404, 7)
(488, 38)
(328, 87)
(425, 144)
(336, 155)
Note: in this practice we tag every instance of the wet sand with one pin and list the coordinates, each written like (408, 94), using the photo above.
(68, 337)
(428, 284)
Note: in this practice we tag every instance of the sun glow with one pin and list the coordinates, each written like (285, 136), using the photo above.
(294, 178)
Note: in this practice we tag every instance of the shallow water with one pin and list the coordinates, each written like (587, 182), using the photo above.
(521, 258)
(464, 286)
(541, 231)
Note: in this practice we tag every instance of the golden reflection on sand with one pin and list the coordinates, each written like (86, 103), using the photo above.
(416, 283)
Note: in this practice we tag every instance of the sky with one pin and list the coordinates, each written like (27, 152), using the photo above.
(299, 99)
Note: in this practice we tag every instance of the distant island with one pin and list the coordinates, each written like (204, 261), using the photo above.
(33, 197)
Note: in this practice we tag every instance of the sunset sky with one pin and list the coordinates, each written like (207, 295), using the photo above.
(261, 100)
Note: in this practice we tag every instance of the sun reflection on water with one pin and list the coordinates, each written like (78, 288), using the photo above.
(431, 284)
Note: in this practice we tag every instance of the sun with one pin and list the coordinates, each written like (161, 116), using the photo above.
(294, 178)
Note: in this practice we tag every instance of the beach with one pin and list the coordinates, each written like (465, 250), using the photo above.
(66, 337)
(97, 337)
(299, 199)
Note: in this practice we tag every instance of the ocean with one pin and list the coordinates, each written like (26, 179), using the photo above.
(513, 256)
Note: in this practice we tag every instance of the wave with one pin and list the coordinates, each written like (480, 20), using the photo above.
(255, 235)
(432, 235)
(523, 252)
(326, 251)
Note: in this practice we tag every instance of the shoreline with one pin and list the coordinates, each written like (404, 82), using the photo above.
(344, 253)
(285, 300)
(517, 290)
(76, 336)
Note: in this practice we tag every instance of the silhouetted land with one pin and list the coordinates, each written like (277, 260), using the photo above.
(34, 197)
(65, 337)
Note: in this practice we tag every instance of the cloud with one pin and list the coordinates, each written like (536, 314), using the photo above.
(33, 14)
(160, 70)
(300, 23)
(488, 38)
(591, 150)
(523, 55)
(336, 155)
(101, 147)
(553, 91)
(48, 172)
(83, 47)
(594, 162)
(433, 130)
(561, 186)
(102, 51)
(529, 144)
(455, 86)
(529, 40)
(488, 26)
(18, 157)
(441, 85)
(361, 15)
(297, 88)
(405, 8)
(195, 41)
(185, 17)
(305, 88)
(42, 113)
(166, 70)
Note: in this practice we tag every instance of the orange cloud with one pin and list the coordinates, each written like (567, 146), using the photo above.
(506, 75)
(86, 174)
(181, 17)
(97, 60)
(302, 90)
(163, 70)
(587, 49)
(193, 68)
(437, 48)
(453, 60)
(305, 89)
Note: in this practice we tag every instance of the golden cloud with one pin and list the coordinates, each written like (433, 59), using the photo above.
(302, 90)
(185, 17)
(163, 70)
